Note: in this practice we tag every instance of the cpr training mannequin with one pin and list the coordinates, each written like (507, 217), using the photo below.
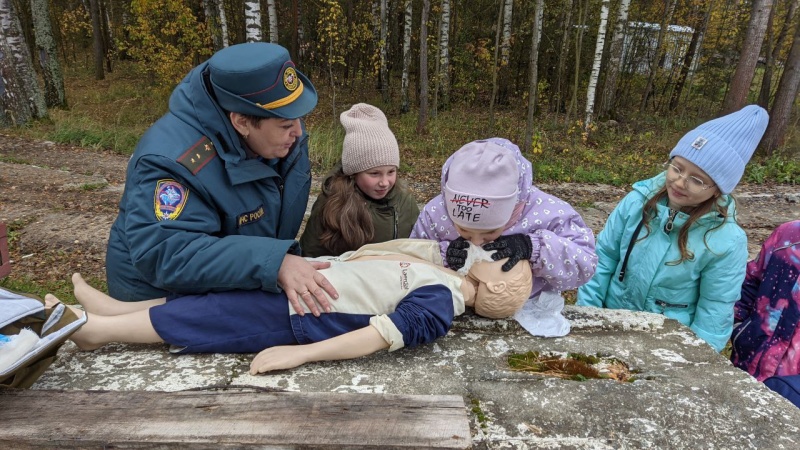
(391, 295)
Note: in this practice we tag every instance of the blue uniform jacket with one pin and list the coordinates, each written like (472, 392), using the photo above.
(700, 293)
(197, 215)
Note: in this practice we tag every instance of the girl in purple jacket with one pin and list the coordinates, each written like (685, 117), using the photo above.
(488, 200)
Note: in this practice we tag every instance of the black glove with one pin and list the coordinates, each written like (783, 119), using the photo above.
(515, 247)
(457, 253)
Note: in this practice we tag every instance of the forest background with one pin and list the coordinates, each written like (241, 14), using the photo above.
(591, 90)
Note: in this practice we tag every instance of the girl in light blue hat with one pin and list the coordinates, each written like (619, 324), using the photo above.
(672, 245)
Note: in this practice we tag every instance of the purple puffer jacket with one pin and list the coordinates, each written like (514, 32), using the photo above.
(766, 338)
(563, 254)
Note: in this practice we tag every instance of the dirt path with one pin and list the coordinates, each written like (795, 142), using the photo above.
(60, 202)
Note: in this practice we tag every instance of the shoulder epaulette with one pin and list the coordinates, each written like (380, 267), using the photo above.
(198, 155)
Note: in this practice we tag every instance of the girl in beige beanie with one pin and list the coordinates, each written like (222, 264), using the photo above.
(361, 201)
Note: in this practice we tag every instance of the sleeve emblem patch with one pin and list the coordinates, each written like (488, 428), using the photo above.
(169, 200)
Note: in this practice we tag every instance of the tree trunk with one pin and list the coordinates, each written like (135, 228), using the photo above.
(563, 55)
(252, 20)
(21, 96)
(48, 55)
(614, 65)
(422, 121)
(598, 58)
(505, 46)
(748, 57)
(273, 21)
(495, 68)
(766, 80)
(97, 40)
(223, 23)
(690, 58)
(583, 11)
(785, 97)
(212, 22)
(384, 70)
(662, 33)
(443, 72)
(407, 20)
(108, 41)
(533, 77)
(504, 73)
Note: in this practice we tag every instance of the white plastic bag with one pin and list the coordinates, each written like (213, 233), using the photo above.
(541, 315)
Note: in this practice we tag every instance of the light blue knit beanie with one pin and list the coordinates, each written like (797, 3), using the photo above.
(723, 146)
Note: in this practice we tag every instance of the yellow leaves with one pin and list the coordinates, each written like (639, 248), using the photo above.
(76, 22)
(166, 38)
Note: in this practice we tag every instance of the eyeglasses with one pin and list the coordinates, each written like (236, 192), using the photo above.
(693, 184)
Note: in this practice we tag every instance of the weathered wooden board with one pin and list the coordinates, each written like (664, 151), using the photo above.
(229, 419)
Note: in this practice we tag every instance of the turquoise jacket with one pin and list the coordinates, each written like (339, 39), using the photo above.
(699, 293)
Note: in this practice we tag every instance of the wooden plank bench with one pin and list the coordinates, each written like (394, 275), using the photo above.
(230, 419)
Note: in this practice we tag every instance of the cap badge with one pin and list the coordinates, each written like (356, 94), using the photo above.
(290, 79)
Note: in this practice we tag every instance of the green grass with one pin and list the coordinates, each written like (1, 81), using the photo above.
(113, 114)
(92, 186)
(60, 288)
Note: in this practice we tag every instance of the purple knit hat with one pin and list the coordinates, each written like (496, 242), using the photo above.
(481, 186)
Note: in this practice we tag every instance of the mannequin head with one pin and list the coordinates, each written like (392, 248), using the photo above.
(500, 294)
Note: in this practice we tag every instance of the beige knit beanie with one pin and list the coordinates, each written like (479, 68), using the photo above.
(368, 141)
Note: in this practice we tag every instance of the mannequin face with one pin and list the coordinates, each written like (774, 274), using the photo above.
(500, 294)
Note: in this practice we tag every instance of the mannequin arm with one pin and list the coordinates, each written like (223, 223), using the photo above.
(354, 344)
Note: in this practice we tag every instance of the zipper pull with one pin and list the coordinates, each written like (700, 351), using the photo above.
(668, 225)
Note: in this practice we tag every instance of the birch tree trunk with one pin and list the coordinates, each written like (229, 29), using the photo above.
(442, 84)
(495, 68)
(598, 58)
(505, 46)
(273, 21)
(748, 57)
(384, 70)
(503, 76)
(662, 33)
(21, 96)
(97, 39)
(407, 19)
(223, 23)
(772, 56)
(785, 97)
(252, 20)
(48, 55)
(533, 78)
(614, 65)
(422, 121)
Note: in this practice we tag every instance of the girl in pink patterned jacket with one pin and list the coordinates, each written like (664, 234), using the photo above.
(766, 335)
(488, 200)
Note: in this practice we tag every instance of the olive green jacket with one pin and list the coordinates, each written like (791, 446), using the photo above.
(393, 217)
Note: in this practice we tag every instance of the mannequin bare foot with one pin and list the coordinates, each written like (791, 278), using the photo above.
(51, 300)
(101, 304)
(83, 337)
(92, 300)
